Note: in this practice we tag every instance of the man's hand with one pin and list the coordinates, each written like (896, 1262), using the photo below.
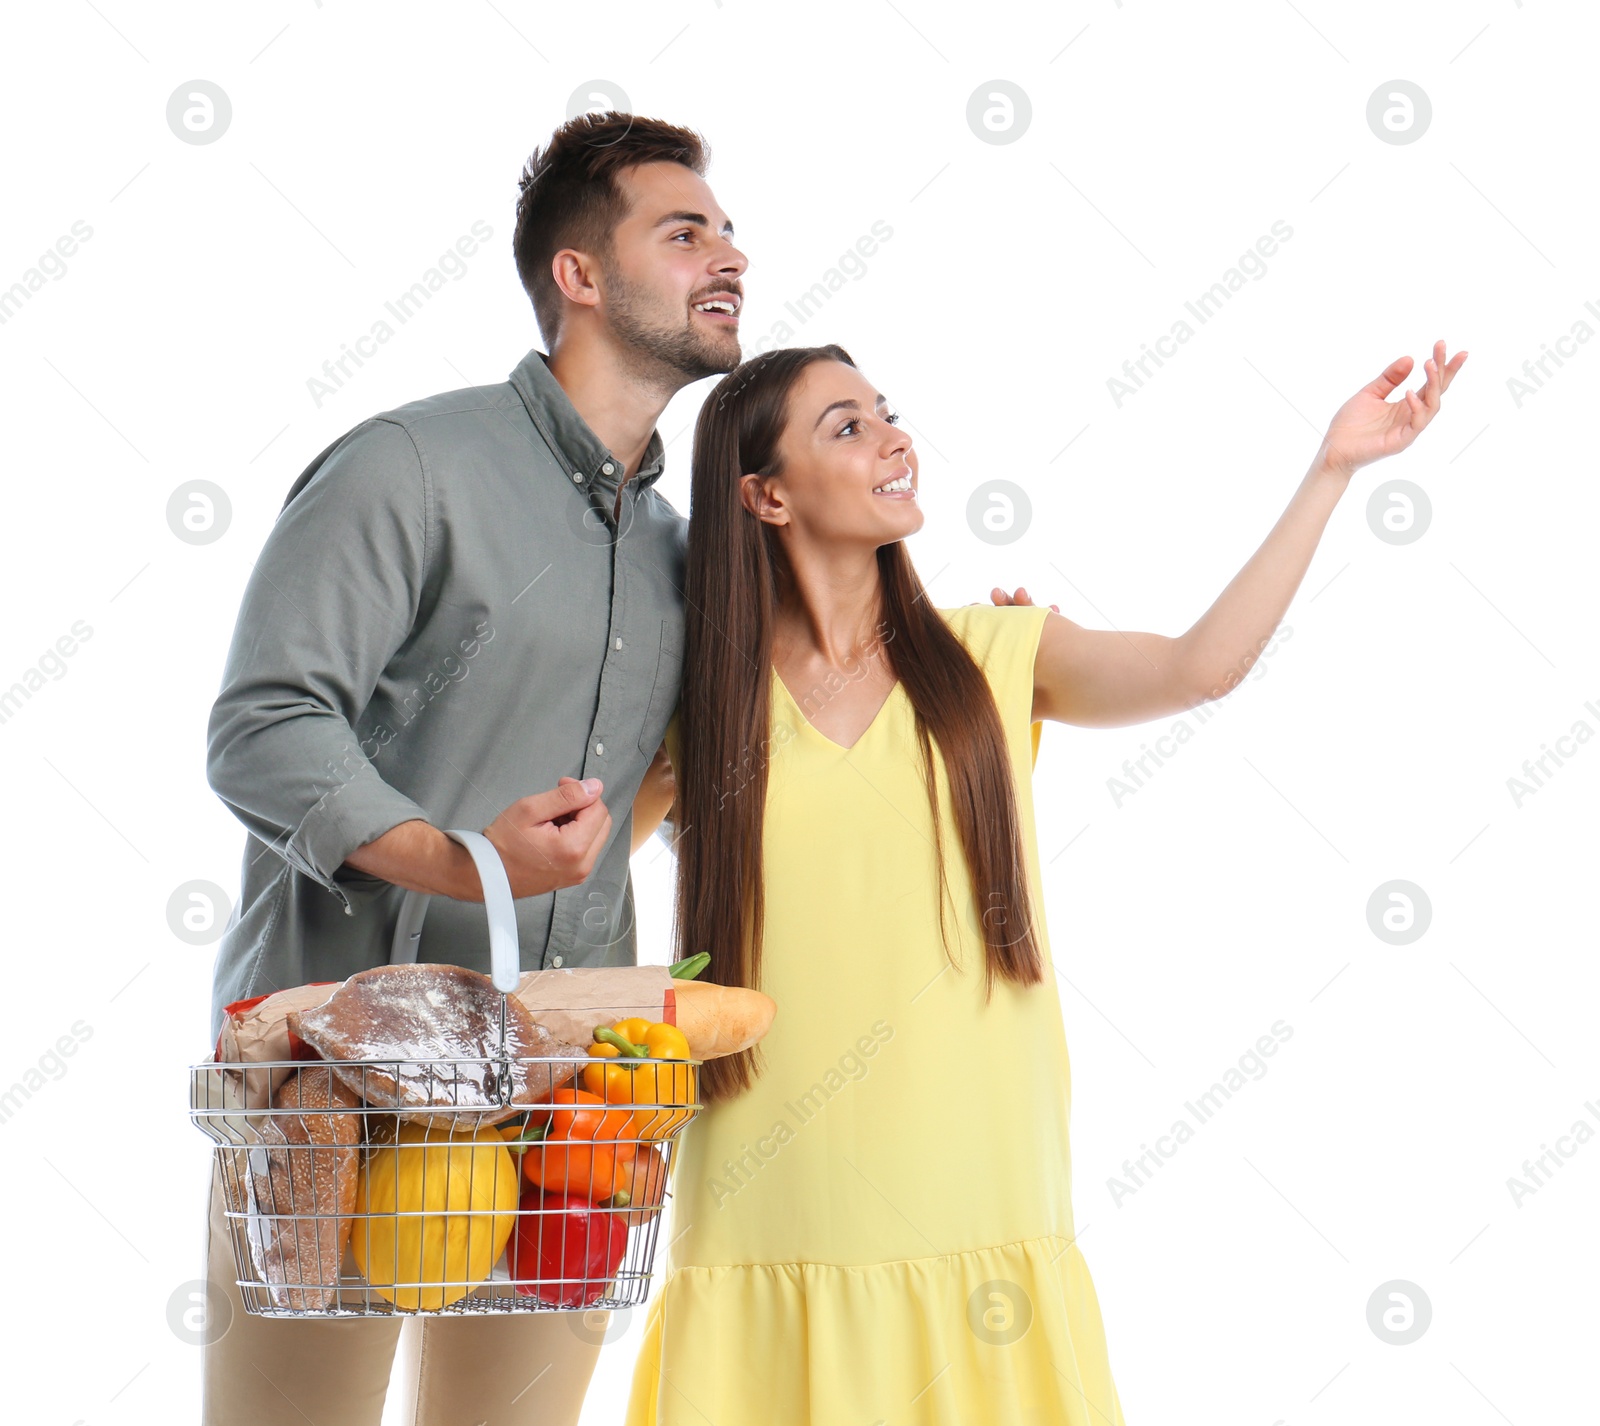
(547, 841)
(551, 839)
(1000, 597)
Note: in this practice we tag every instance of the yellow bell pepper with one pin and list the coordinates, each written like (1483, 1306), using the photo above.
(656, 1087)
(634, 1028)
(611, 1081)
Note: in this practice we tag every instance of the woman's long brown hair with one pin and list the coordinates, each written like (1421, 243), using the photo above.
(732, 586)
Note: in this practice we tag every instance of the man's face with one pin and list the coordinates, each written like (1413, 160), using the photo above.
(671, 256)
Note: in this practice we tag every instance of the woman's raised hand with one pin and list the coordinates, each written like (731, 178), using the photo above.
(1369, 427)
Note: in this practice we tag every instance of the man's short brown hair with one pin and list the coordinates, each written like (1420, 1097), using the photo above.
(570, 197)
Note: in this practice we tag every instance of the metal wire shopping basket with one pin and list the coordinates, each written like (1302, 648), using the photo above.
(471, 1203)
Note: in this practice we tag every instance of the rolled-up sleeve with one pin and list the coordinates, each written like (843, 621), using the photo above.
(335, 592)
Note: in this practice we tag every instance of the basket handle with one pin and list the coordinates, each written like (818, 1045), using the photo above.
(505, 954)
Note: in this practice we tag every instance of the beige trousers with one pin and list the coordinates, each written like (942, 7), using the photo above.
(521, 1369)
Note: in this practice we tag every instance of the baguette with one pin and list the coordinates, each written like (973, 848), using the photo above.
(310, 1168)
(721, 1019)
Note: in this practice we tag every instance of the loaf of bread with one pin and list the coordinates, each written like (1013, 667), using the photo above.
(307, 1164)
(434, 1033)
(721, 1019)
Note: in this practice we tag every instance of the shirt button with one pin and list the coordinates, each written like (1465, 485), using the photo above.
(600, 748)
(577, 477)
(556, 962)
(617, 643)
(607, 468)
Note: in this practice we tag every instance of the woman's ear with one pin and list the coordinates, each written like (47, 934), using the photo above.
(759, 496)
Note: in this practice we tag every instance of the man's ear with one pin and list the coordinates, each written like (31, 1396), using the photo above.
(759, 495)
(577, 275)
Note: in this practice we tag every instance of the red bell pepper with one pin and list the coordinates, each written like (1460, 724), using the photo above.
(566, 1254)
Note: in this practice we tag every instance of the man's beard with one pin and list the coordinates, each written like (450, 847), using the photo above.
(684, 350)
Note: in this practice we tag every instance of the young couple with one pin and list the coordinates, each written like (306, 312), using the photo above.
(479, 599)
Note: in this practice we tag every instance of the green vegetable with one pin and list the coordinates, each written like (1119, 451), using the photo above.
(690, 966)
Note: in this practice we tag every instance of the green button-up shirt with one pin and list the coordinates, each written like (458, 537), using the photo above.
(446, 616)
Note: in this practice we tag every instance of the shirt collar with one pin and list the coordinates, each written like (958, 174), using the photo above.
(569, 435)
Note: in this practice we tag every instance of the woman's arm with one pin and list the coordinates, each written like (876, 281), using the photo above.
(1100, 678)
(654, 799)
(1107, 679)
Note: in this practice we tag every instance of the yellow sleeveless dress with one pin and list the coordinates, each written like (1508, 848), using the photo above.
(880, 1231)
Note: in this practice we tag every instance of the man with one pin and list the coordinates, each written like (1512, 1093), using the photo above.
(468, 614)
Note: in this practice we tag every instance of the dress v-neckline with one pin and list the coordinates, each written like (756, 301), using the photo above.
(794, 702)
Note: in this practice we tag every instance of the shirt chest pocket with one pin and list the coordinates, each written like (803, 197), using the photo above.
(664, 690)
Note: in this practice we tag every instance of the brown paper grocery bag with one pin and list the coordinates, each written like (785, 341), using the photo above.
(257, 1030)
(570, 1002)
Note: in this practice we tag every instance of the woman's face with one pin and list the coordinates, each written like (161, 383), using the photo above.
(849, 474)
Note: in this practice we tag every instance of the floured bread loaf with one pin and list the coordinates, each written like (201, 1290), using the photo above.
(414, 1020)
(309, 1166)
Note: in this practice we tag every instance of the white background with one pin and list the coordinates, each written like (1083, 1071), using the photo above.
(1228, 893)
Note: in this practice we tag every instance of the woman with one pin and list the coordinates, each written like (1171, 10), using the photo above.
(872, 1219)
